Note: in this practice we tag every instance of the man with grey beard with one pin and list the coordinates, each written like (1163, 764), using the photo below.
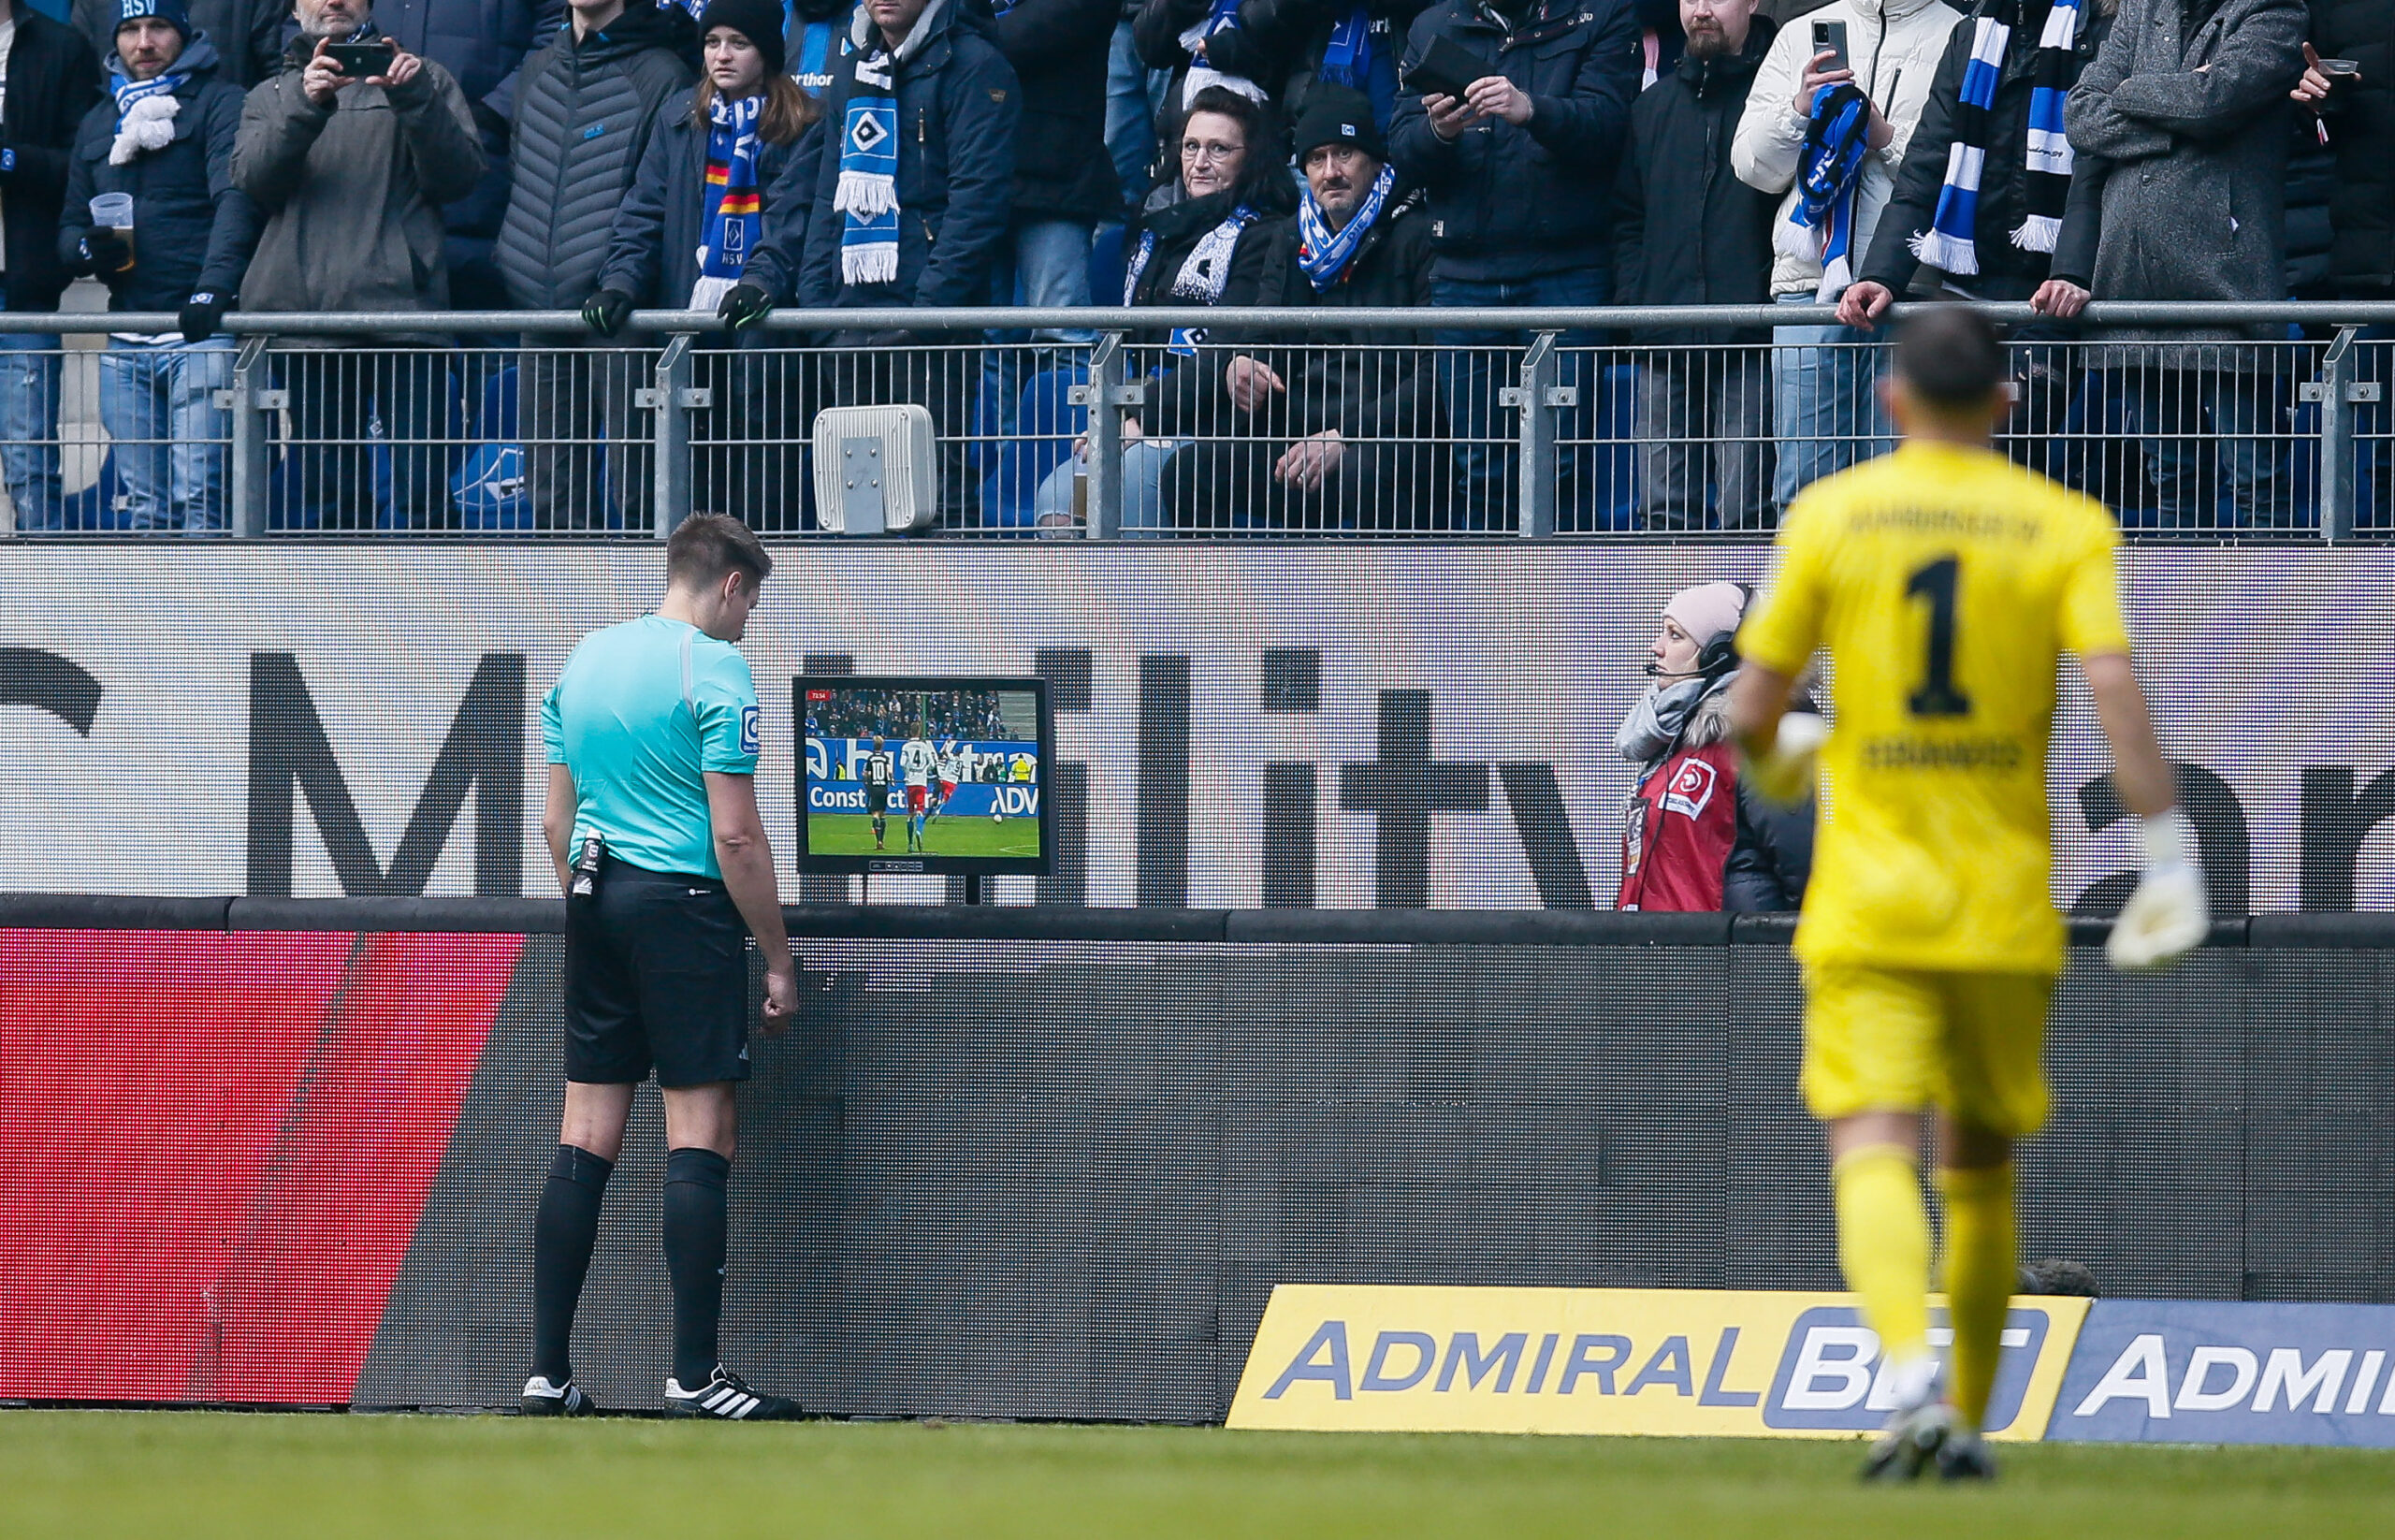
(1689, 232)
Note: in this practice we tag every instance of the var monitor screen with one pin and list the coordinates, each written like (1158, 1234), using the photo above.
(924, 775)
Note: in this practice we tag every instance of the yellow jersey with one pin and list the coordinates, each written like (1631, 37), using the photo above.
(1945, 583)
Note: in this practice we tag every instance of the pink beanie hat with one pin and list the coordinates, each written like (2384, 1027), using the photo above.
(1707, 610)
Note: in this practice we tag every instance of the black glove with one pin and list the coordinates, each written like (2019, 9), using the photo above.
(743, 307)
(202, 314)
(607, 312)
(105, 252)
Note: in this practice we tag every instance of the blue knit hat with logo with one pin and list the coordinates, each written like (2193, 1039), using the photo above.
(174, 13)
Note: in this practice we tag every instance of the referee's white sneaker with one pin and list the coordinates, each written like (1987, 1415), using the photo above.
(545, 1398)
(726, 1397)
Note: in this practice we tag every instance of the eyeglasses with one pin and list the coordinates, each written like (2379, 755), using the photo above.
(1210, 150)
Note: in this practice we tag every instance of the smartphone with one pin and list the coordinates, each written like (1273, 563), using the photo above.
(363, 61)
(1447, 68)
(1830, 35)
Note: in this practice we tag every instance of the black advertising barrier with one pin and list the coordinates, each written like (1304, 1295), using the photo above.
(1046, 1162)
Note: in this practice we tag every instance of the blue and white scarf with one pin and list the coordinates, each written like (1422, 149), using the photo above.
(868, 193)
(145, 110)
(1222, 17)
(733, 210)
(1821, 219)
(1323, 253)
(1351, 59)
(1203, 273)
(2050, 154)
(1950, 243)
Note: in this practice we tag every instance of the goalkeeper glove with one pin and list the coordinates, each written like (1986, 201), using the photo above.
(2169, 914)
(1787, 773)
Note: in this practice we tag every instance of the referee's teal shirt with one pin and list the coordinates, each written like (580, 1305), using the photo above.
(642, 712)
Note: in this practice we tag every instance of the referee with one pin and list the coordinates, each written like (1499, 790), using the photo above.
(651, 734)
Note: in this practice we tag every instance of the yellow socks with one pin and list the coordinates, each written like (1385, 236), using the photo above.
(1884, 1245)
(1982, 1265)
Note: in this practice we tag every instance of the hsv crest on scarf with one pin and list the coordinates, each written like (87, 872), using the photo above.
(1323, 253)
(733, 210)
(1951, 241)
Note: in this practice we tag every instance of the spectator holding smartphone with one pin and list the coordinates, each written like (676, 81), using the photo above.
(165, 139)
(351, 172)
(1829, 132)
(2355, 108)
(1519, 170)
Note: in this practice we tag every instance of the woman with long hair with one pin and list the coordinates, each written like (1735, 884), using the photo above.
(1191, 245)
(698, 208)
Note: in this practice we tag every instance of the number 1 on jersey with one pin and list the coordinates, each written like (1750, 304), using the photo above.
(1938, 696)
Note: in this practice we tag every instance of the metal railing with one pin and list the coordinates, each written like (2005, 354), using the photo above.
(1170, 422)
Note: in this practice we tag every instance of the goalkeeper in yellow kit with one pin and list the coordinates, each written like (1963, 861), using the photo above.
(1945, 583)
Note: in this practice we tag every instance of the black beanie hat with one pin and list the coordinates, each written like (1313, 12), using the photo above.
(759, 20)
(1337, 114)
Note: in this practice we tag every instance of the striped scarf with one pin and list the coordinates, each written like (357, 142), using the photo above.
(868, 193)
(734, 212)
(1821, 222)
(1323, 253)
(1950, 243)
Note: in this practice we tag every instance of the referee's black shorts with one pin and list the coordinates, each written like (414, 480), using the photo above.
(656, 976)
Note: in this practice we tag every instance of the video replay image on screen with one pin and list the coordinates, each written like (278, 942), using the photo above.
(922, 776)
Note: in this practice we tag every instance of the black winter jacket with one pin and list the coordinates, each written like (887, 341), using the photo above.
(959, 107)
(248, 33)
(2360, 116)
(1058, 48)
(1771, 857)
(53, 80)
(653, 252)
(1686, 230)
(1298, 32)
(1368, 385)
(2007, 271)
(194, 230)
(1508, 202)
(584, 116)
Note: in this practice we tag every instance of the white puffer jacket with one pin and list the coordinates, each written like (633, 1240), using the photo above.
(1894, 46)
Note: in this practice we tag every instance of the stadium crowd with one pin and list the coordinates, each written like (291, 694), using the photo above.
(606, 155)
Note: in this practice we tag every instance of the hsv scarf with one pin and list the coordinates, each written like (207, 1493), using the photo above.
(1203, 272)
(1222, 16)
(1821, 223)
(1950, 243)
(2050, 157)
(868, 193)
(734, 212)
(1323, 253)
(145, 111)
(1349, 59)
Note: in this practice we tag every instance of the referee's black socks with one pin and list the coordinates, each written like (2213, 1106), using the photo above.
(563, 1230)
(695, 1204)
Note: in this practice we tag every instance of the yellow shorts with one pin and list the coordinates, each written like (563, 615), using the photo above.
(1890, 1040)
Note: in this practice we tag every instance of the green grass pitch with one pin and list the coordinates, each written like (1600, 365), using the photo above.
(196, 1475)
(851, 834)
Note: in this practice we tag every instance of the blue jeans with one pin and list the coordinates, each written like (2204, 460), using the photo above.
(169, 436)
(1143, 462)
(1044, 264)
(1130, 112)
(29, 427)
(1828, 409)
(2171, 409)
(1469, 382)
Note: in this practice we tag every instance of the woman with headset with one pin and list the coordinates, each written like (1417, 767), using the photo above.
(1692, 840)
